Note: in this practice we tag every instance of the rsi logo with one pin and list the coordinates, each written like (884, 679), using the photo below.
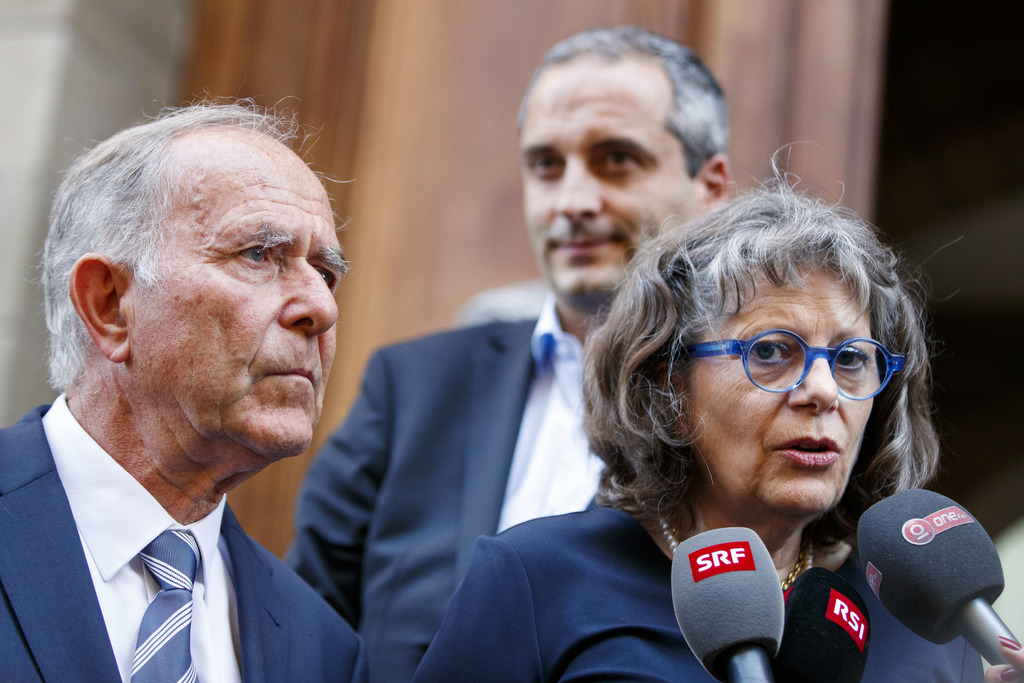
(922, 531)
(843, 612)
(717, 559)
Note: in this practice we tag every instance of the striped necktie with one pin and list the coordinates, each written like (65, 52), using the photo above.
(163, 653)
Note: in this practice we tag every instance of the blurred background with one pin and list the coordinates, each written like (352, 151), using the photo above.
(915, 111)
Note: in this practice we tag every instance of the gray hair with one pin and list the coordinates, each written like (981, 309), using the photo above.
(113, 200)
(684, 283)
(697, 116)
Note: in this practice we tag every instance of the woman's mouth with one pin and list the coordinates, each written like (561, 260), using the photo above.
(811, 452)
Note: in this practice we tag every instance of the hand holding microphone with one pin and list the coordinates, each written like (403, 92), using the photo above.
(935, 568)
(728, 603)
(1007, 674)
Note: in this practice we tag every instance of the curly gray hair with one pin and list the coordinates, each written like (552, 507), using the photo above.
(683, 284)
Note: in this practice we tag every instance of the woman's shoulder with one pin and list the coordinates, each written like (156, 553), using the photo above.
(596, 534)
(595, 524)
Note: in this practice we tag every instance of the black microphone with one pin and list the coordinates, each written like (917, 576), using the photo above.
(935, 568)
(728, 603)
(826, 636)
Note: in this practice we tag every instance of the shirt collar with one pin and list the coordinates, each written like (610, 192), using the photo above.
(116, 516)
(549, 342)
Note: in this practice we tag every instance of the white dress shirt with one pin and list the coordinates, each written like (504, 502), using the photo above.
(116, 518)
(553, 470)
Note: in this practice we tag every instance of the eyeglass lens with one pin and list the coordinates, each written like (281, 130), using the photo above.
(776, 362)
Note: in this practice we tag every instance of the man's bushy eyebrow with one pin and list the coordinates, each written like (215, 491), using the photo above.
(334, 257)
(270, 236)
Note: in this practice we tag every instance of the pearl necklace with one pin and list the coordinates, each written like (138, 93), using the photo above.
(805, 560)
(669, 536)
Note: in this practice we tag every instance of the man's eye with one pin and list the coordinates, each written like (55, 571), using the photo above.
(619, 160)
(545, 166)
(329, 278)
(256, 254)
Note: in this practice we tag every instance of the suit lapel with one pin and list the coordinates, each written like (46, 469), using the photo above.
(262, 635)
(42, 567)
(502, 370)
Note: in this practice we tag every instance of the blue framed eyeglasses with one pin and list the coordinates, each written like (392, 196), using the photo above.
(779, 360)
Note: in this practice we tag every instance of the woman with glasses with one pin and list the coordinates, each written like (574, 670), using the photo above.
(764, 366)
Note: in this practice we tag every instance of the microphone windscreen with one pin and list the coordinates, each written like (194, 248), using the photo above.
(826, 636)
(925, 557)
(726, 593)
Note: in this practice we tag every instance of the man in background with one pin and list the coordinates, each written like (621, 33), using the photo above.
(472, 431)
(189, 277)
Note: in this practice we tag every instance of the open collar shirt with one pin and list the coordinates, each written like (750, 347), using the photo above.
(552, 471)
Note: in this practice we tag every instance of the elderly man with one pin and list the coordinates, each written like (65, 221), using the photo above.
(189, 276)
(469, 432)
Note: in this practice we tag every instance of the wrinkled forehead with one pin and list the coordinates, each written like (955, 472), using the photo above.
(227, 153)
(739, 294)
(224, 175)
(212, 162)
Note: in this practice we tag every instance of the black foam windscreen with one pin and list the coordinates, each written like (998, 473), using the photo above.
(726, 593)
(827, 635)
(925, 557)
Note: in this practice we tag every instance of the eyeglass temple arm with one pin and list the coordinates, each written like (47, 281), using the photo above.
(721, 347)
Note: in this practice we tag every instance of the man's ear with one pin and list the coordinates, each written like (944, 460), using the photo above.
(99, 290)
(716, 179)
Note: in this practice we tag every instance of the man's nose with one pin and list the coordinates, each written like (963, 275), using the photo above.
(580, 191)
(311, 305)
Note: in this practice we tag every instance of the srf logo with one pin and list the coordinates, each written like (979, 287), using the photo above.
(843, 612)
(922, 531)
(717, 559)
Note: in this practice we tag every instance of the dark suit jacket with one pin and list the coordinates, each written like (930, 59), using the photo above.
(393, 503)
(51, 626)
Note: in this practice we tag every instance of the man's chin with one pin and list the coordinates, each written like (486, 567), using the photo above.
(277, 438)
(589, 301)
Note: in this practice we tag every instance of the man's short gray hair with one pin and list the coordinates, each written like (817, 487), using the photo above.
(113, 200)
(697, 117)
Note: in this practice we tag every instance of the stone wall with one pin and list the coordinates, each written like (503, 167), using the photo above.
(72, 72)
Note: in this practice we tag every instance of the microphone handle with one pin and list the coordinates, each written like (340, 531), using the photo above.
(981, 627)
(749, 664)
